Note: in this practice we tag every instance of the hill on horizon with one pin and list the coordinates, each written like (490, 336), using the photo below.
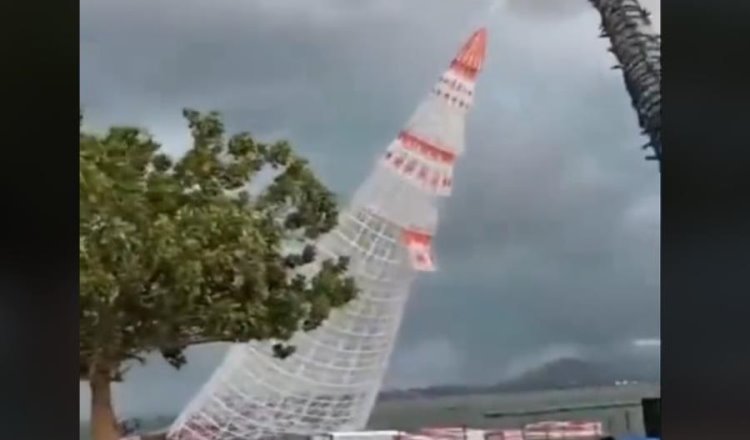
(562, 373)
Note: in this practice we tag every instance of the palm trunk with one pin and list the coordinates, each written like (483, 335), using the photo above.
(103, 421)
(637, 48)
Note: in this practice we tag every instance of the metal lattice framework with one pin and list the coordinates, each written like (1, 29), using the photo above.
(637, 47)
(332, 380)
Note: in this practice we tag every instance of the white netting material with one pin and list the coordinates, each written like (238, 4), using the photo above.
(331, 382)
(440, 122)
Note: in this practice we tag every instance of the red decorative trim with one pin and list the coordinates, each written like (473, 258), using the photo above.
(416, 144)
(470, 58)
(466, 72)
(417, 236)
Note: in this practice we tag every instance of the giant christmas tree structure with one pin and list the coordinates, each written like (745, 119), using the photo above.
(332, 380)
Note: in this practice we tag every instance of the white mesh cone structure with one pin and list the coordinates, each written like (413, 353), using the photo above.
(332, 380)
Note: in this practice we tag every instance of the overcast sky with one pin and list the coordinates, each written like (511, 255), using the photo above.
(549, 246)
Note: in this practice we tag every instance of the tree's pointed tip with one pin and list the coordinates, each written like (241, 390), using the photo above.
(472, 54)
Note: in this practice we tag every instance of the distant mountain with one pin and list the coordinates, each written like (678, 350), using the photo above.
(562, 373)
(559, 374)
(574, 372)
(645, 367)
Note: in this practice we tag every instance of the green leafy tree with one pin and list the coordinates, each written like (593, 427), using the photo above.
(178, 252)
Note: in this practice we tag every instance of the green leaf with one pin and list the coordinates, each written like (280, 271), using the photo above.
(175, 251)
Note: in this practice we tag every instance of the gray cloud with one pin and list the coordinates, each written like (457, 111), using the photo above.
(561, 9)
(546, 9)
(428, 362)
(551, 238)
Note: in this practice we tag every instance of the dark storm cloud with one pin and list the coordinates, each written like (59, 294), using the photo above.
(549, 245)
(546, 9)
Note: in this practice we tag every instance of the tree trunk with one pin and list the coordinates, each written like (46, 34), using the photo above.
(637, 47)
(103, 422)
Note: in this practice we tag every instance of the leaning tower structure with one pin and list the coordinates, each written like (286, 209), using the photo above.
(331, 381)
